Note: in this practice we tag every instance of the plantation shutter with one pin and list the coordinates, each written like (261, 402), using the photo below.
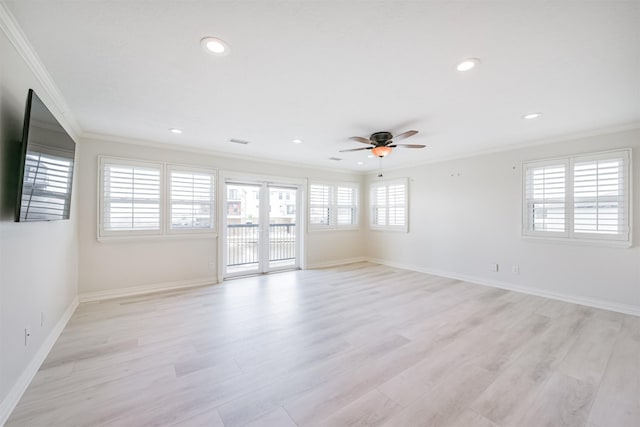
(379, 201)
(320, 205)
(389, 203)
(131, 197)
(397, 201)
(601, 196)
(191, 199)
(545, 205)
(346, 205)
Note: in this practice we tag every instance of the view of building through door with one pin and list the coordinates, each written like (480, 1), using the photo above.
(261, 228)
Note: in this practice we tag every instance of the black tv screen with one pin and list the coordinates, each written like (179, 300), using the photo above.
(46, 165)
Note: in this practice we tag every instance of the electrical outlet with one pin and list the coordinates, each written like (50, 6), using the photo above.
(515, 269)
(27, 334)
(212, 266)
(42, 319)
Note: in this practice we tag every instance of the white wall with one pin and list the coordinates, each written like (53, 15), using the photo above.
(461, 224)
(38, 261)
(111, 266)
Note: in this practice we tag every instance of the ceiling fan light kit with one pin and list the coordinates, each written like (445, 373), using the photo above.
(381, 151)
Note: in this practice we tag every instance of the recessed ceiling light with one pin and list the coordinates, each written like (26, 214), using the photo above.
(371, 156)
(467, 64)
(214, 46)
(361, 163)
(297, 141)
(531, 116)
(174, 130)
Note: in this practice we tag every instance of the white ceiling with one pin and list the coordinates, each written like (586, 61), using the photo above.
(323, 71)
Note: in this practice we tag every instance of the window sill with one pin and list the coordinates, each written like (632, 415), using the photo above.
(155, 237)
(323, 230)
(393, 230)
(580, 242)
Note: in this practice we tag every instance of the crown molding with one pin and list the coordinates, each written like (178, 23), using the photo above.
(519, 146)
(16, 36)
(90, 136)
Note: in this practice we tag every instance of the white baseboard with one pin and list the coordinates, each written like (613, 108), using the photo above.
(589, 302)
(145, 289)
(336, 262)
(9, 403)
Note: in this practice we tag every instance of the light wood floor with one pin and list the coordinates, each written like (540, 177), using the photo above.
(356, 345)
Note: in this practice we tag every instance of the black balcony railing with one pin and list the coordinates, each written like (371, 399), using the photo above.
(243, 243)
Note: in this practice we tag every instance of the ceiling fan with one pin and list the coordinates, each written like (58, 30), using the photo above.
(382, 143)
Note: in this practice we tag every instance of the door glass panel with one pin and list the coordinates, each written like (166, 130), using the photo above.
(243, 228)
(282, 227)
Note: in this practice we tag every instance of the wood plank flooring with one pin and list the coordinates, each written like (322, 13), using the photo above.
(361, 344)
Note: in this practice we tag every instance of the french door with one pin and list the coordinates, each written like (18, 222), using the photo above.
(261, 231)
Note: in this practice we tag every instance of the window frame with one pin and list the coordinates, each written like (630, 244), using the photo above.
(170, 167)
(165, 230)
(624, 239)
(526, 220)
(403, 228)
(333, 206)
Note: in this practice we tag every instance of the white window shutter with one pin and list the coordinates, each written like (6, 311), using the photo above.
(191, 199)
(346, 206)
(131, 197)
(584, 197)
(600, 196)
(389, 204)
(320, 205)
(545, 201)
(333, 206)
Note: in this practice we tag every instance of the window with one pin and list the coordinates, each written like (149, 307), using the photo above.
(545, 187)
(131, 196)
(389, 205)
(579, 197)
(191, 199)
(333, 206)
(135, 199)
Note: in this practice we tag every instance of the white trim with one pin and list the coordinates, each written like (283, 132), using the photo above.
(146, 289)
(20, 42)
(574, 299)
(335, 262)
(152, 237)
(12, 398)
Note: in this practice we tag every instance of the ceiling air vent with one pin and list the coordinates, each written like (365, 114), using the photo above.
(239, 141)
(335, 159)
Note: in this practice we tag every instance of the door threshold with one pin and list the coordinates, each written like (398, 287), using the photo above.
(243, 276)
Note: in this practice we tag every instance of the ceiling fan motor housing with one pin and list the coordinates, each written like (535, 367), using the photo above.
(381, 138)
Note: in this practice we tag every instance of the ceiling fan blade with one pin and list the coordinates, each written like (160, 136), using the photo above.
(404, 135)
(356, 149)
(411, 145)
(361, 139)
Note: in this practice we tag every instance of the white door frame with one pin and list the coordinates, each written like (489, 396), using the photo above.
(255, 179)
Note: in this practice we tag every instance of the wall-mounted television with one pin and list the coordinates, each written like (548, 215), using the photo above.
(46, 166)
